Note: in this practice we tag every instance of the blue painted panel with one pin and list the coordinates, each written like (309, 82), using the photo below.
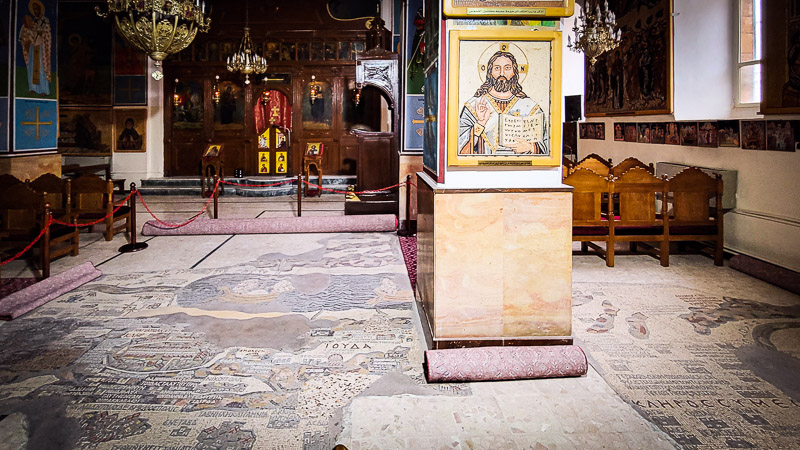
(414, 56)
(35, 48)
(430, 151)
(415, 120)
(4, 124)
(35, 124)
(5, 48)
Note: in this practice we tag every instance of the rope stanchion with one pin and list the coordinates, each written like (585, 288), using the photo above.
(45, 249)
(216, 196)
(178, 225)
(134, 246)
(300, 194)
(102, 219)
(406, 230)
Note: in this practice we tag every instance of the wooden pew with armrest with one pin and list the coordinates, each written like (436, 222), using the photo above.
(93, 198)
(637, 218)
(57, 193)
(691, 218)
(589, 223)
(23, 213)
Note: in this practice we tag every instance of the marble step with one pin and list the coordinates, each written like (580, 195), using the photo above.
(191, 186)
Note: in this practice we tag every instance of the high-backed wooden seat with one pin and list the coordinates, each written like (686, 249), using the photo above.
(691, 217)
(23, 213)
(637, 218)
(596, 164)
(630, 163)
(589, 223)
(57, 193)
(8, 180)
(93, 198)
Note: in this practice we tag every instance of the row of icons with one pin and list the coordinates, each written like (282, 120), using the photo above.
(263, 162)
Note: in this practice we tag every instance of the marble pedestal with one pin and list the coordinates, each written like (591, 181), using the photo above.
(31, 166)
(494, 266)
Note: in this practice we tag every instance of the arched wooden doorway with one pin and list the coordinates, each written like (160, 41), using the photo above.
(236, 121)
(272, 114)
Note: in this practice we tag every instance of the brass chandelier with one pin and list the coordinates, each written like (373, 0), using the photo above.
(597, 34)
(158, 27)
(246, 60)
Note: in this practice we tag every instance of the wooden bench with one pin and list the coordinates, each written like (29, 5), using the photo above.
(23, 214)
(691, 218)
(590, 197)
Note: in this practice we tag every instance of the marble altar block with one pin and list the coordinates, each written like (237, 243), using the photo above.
(31, 166)
(494, 266)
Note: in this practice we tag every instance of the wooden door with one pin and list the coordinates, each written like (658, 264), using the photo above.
(185, 130)
(231, 124)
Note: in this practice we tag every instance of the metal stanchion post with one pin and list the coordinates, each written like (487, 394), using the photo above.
(45, 244)
(299, 194)
(133, 246)
(216, 196)
(406, 230)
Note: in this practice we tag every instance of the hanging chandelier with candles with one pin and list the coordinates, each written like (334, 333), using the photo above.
(598, 32)
(158, 27)
(246, 60)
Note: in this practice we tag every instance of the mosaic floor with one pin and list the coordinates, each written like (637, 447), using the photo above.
(265, 351)
(711, 371)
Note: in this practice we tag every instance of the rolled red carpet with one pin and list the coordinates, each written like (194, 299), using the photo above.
(504, 363)
(312, 224)
(22, 301)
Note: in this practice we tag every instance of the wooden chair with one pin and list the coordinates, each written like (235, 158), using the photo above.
(589, 223)
(691, 216)
(23, 213)
(57, 192)
(637, 218)
(93, 198)
(567, 166)
(630, 163)
(596, 164)
(8, 180)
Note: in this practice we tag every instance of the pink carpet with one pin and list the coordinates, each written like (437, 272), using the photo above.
(314, 224)
(408, 245)
(504, 363)
(35, 295)
(10, 285)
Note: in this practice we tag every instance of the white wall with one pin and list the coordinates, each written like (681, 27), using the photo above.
(134, 167)
(766, 221)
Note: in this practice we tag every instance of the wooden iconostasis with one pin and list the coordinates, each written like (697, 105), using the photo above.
(297, 44)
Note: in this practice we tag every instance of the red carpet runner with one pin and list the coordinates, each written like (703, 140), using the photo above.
(408, 245)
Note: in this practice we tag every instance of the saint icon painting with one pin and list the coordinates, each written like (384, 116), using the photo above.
(502, 107)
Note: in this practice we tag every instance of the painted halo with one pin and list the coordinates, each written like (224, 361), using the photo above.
(519, 55)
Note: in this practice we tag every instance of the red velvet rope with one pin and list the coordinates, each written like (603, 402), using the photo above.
(352, 192)
(76, 225)
(50, 221)
(178, 225)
